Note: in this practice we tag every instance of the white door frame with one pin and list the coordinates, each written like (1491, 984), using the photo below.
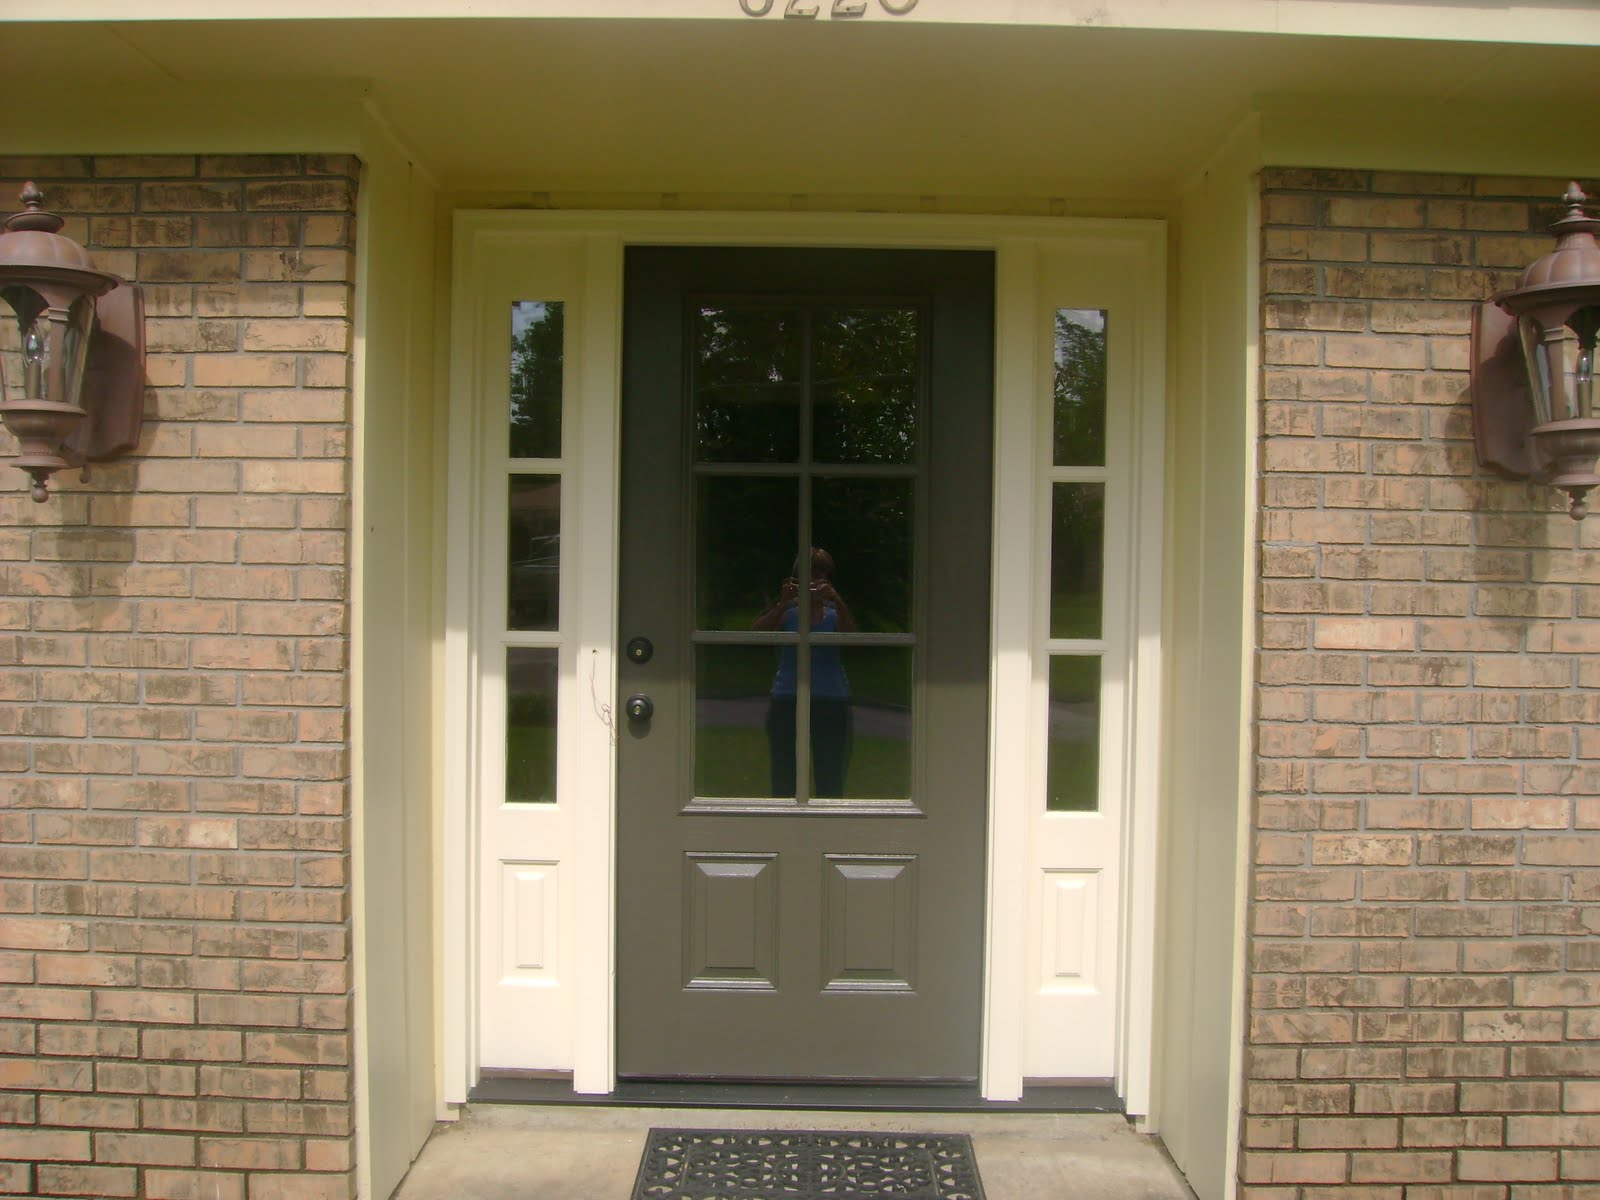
(1034, 275)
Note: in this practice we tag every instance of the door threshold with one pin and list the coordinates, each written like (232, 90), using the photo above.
(516, 1087)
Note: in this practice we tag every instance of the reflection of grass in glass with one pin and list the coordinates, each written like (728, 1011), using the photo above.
(530, 764)
(1075, 678)
(734, 762)
(1075, 616)
(877, 675)
(1073, 777)
(724, 672)
(1072, 769)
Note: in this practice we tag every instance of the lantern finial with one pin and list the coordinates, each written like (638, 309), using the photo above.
(33, 217)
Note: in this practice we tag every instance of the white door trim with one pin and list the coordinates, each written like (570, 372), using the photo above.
(589, 594)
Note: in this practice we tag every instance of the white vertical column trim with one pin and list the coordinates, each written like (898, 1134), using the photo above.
(458, 1007)
(1010, 681)
(1144, 770)
(594, 482)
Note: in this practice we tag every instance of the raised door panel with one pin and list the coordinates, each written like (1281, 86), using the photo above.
(730, 911)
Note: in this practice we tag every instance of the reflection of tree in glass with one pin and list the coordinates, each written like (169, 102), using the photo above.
(746, 533)
(866, 525)
(1080, 388)
(533, 551)
(1077, 558)
(746, 370)
(536, 361)
(865, 384)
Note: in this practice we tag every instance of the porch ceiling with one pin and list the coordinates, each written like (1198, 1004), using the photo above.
(771, 106)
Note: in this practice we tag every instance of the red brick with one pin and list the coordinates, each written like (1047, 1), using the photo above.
(55, 1180)
(194, 1185)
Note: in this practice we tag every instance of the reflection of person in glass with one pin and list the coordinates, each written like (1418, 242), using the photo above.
(830, 687)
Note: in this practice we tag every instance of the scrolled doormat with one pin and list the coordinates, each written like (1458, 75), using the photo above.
(748, 1164)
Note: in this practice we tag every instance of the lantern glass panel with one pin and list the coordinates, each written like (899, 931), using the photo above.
(26, 304)
(1560, 365)
(37, 361)
(75, 352)
(1585, 393)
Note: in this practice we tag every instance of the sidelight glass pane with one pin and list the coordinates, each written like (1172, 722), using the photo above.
(533, 552)
(864, 385)
(537, 329)
(744, 726)
(746, 532)
(1080, 387)
(531, 676)
(1073, 764)
(863, 530)
(875, 763)
(1077, 557)
(746, 385)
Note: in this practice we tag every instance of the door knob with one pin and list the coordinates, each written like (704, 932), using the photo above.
(639, 707)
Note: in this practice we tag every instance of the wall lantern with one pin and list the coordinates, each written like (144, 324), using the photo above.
(1535, 403)
(82, 341)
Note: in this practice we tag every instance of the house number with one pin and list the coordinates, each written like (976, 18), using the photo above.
(809, 10)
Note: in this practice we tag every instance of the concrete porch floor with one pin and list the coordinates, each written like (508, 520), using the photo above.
(559, 1152)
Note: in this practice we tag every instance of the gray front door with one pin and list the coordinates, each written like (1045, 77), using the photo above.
(806, 470)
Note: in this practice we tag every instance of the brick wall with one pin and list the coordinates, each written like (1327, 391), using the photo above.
(1424, 976)
(174, 893)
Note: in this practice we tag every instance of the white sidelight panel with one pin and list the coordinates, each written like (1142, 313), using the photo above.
(1094, 611)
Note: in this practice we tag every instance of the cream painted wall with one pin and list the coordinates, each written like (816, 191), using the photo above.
(394, 719)
(1210, 611)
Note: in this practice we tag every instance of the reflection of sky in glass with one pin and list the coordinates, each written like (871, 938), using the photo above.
(525, 313)
(1080, 387)
(1092, 319)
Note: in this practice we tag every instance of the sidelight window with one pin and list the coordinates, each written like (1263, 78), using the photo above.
(533, 549)
(1076, 623)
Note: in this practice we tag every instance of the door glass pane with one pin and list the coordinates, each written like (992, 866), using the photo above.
(533, 576)
(747, 530)
(536, 367)
(531, 674)
(1077, 557)
(875, 706)
(746, 385)
(863, 530)
(744, 728)
(1073, 765)
(864, 385)
(1080, 387)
